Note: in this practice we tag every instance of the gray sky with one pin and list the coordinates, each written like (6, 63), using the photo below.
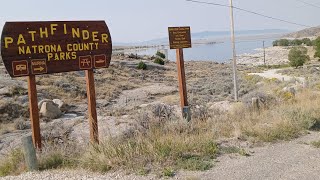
(139, 20)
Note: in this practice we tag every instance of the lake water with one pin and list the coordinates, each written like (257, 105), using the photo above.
(220, 52)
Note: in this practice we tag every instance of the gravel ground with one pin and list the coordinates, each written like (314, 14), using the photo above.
(286, 161)
(76, 175)
(296, 159)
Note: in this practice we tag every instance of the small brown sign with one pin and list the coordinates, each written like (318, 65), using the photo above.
(32, 48)
(85, 62)
(20, 68)
(100, 61)
(179, 37)
(38, 66)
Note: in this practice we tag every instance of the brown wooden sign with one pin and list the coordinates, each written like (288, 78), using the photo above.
(179, 37)
(34, 48)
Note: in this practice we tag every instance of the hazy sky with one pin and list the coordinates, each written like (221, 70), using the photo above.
(138, 20)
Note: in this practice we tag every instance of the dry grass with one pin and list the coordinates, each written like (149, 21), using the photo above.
(171, 145)
(284, 121)
(13, 164)
(316, 144)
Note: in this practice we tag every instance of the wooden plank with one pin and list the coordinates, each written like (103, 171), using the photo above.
(34, 111)
(93, 122)
(182, 79)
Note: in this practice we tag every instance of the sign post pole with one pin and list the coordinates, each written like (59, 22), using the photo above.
(182, 85)
(93, 122)
(179, 38)
(34, 112)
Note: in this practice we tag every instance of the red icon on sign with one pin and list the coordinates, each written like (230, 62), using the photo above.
(20, 68)
(100, 61)
(85, 62)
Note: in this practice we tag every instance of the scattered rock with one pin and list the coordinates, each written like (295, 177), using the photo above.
(61, 105)
(50, 110)
(21, 124)
(10, 111)
(292, 90)
(4, 91)
(222, 106)
(43, 101)
(109, 126)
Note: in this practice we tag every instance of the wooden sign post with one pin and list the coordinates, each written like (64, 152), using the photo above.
(180, 37)
(34, 111)
(93, 121)
(36, 48)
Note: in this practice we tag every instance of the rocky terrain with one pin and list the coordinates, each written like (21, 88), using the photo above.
(122, 91)
(131, 102)
(274, 56)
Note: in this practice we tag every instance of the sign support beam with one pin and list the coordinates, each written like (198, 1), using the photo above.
(34, 111)
(182, 85)
(182, 78)
(93, 120)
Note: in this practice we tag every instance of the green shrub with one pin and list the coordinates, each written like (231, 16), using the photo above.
(298, 56)
(168, 172)
(161, 55)
(159, 61)
(316, 44)
(194, 163)
(295, 42)
(142, 65)
(307, 41)
(281, 42)
(315, 144)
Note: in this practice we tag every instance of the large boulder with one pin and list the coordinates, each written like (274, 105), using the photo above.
(49, 110)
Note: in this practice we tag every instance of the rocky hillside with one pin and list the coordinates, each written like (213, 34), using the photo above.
(309, 32)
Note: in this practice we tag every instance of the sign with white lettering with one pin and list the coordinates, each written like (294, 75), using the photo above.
(33, 48)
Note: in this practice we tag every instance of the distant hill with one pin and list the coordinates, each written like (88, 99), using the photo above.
(209, 35)
(309, 32)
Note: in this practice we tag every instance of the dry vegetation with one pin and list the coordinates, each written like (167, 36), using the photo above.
(161, 142)
(163, 146)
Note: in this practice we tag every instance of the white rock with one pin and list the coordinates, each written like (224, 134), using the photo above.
(62, 106)
(50, 110)
(43, 101)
